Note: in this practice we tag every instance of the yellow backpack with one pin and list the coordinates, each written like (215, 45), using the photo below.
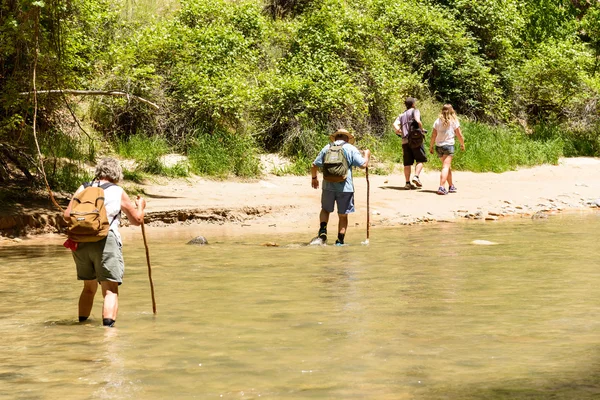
(88, 221)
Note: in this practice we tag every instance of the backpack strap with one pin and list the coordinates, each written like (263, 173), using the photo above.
(407, 122)
(113, 220)
(105, 186)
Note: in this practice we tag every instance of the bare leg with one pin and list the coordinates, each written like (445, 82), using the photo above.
(110, 292)
(86, 299)
(407, 169)
(323, 216)
(343, 223)
(450, 177)
(418, 169)
(446, 163)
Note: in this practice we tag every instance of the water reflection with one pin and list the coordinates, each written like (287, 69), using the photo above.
(421, 313)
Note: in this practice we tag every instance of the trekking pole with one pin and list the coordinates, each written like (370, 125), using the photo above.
(149, 269)
(366, 242)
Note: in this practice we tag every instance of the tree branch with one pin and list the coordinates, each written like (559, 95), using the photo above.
(93, 93)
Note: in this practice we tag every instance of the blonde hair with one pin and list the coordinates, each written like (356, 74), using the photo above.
(448, 115)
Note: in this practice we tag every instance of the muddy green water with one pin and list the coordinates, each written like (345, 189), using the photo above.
(418, 314)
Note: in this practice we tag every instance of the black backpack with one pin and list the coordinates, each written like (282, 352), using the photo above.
(415, 133)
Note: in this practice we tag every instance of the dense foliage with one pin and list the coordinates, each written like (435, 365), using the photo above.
(233, 78)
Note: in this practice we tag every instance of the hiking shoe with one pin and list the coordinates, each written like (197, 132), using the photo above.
(409, 186)
(323, 235)
(452, 189)
(416, 181)
(442, 190)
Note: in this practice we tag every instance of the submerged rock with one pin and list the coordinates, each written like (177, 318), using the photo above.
(198, 240)
(483, 242)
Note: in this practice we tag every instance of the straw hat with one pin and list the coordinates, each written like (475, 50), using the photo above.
(342, 132)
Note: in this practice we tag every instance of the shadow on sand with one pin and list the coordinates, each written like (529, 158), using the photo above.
(410, 190)
(159, 196)
(394, 188)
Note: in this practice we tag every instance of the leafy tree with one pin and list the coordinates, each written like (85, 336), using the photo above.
(547, 19)
(437, 46)
(591, 31)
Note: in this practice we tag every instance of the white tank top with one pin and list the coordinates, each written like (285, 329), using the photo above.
(112, 202)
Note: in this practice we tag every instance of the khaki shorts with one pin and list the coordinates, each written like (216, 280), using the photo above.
(102, 261)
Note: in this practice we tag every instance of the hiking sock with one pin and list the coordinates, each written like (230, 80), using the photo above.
(108, 322)
(323, 231)
(341, 237)
(82, 319)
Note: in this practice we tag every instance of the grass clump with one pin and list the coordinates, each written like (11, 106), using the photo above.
(223, 153)
(300, 166)
(133, 175)
(576, 143)
(147, 152)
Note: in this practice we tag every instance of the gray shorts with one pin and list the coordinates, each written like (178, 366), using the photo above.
(447, 150)
(102, 261)
(344, 201)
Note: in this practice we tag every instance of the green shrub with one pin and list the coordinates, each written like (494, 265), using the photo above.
(66, 177)
(64, 156)
(554, 80)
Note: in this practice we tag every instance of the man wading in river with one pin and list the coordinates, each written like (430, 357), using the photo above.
(337, 159)
(97, 253)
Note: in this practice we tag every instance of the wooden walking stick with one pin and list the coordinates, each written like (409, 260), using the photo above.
(149, 269)
(366, 242)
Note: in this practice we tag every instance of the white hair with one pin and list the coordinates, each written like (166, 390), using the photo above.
(109, 169)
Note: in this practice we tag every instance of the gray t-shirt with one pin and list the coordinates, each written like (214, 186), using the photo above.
(404, 119)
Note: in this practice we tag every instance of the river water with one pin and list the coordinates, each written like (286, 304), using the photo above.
(420, 313)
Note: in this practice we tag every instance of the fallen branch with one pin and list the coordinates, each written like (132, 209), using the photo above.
(93, 93)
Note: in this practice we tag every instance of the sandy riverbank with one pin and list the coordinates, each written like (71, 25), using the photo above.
(275, 205)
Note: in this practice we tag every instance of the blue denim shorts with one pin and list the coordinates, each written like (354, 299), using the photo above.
(447, 150)
(344, 201)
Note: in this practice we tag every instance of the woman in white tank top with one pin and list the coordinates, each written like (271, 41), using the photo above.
(445, 129)
(102, 261)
